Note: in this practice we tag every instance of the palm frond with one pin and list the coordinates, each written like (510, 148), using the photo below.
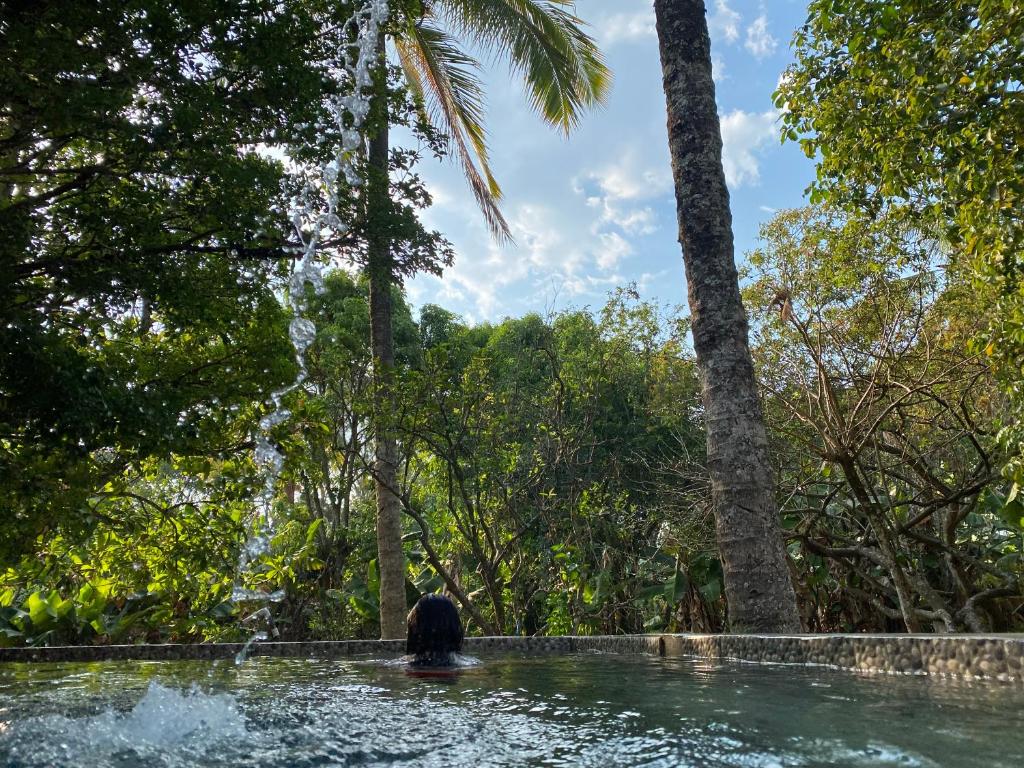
(445, 79)
(544, 41)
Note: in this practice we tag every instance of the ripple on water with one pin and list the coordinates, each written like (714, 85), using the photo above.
(555, 712)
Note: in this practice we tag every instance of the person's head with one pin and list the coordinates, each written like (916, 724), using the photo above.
(435, 632)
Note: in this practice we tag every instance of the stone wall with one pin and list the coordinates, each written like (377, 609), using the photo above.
(996, 657)
(969, 657)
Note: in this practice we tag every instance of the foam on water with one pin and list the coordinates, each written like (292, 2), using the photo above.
(164, 721)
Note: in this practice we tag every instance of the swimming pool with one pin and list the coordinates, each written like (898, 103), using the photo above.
(586, 709)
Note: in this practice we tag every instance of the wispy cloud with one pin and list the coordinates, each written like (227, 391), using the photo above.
(629, 26)
(718, 70)
(597, 210)
(743, 134)
(614, 248)
(626, 179)
(619, 191)
(760, 41)
(724, 22)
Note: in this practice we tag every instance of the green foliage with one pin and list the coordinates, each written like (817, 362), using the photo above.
(914, 106)
(885, 425)
(545, 452)
(551, 468)
(157, 564)
(145, 236)
(141, 229)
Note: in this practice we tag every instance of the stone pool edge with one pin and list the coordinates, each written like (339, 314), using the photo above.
(994, 657)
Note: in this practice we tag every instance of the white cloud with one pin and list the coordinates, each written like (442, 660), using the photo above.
(718, 69)
(631, 26)
(724, 22)
(627, 27)
(648, 280)
(760, 41)
(631, 220)
(571, 247)
(441, 196)
(634, 221)
(621, 187)
(597, 210)
(743, 134)
(614, 248)
(547, 256)
(623, 181)
(584, 285)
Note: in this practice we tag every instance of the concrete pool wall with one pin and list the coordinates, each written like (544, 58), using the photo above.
(970, 657)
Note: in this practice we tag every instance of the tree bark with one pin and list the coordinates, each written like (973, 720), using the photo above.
(876, 519)
(757, 584)
(380, 271)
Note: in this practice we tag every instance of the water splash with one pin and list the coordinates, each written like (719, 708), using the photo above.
(243, 654)
(164, 720)
(314, 217)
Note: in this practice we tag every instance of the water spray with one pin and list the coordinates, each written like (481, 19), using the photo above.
(314, 217)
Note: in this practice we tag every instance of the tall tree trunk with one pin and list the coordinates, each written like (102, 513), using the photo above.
(380, 269)
(757, 584)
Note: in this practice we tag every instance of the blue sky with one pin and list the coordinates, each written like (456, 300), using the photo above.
(595, 210)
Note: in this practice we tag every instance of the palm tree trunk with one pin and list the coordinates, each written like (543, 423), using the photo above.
(757, 583)
(380, 269)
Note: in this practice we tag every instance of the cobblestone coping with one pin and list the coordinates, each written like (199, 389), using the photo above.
(966, 657)
(996, 657)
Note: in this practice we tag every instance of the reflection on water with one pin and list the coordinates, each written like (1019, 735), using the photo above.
(591, 710)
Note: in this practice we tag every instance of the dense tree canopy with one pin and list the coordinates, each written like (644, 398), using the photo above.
(145, 217)
(137, 216)
(563, 72)
(917, 104)
(885, 424)
(551, 472)
(916, 107)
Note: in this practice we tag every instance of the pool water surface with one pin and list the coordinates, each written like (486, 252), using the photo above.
(583, 710)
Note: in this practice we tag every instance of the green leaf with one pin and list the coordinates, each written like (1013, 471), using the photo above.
(650, 592)
(40, 611)
(712, 590)
(676, 587)
(311, 531)
(1012, 514)
(654, 623)
(373, 579)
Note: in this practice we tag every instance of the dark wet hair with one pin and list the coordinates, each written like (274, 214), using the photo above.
(435, 631)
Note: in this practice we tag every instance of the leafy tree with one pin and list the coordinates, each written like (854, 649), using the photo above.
(530, 448)
(156, 566)
(553, 478)
(330, 450)
(915, 106)
(563, 71)
(141, 229)
(886, 427)
(757, 582)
